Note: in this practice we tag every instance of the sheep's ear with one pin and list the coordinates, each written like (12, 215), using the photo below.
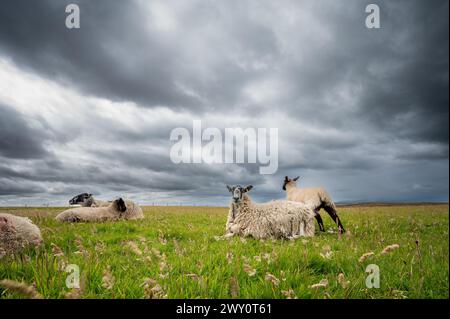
(248, 188)
(295, 179)
(230, 189)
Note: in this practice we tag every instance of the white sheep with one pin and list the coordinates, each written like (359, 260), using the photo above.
(16, 233)
(276, 219)
(87, 200)
(316, 198)
(117, 210)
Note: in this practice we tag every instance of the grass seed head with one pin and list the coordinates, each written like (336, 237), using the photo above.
(390, 248)
(274, 280)
(322, 284)
(21, 288)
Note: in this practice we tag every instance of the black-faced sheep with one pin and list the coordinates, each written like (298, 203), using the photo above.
(117, 210)
(316, 198)
(87, 200)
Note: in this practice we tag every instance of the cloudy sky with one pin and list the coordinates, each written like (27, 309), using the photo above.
(362, 112)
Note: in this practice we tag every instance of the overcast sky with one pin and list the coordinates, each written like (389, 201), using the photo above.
(362, 112)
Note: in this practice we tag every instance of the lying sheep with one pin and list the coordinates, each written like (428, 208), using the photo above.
(316, 198)
(117, 210)
(87, 200)
(16, 233)
(276, 219)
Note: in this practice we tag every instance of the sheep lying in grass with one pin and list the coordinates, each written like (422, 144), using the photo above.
(87, 200)
(16, 233)
(117, 210)
(276, 219)
(316, 198)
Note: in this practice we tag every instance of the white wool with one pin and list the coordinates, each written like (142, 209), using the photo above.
(99, 214)
(276, 219)
(17, 233)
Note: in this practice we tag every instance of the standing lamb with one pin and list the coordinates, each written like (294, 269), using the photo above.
(87, 200)
(276, 219)
(117, 210)
(16, 233)
(316, 198)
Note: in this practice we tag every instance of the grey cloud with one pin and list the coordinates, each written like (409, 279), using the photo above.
(377, 100)
(17, 138)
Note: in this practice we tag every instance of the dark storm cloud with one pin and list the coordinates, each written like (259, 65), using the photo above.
(111, 55)
(17, 138)
(354, 107)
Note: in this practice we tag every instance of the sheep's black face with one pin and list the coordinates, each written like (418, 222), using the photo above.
(79, 199)
(238, 191)
(121, 205)
(288, 180)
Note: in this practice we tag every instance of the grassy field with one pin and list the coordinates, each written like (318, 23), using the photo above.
(175, 253)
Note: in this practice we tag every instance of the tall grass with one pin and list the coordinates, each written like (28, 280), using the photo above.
(174, 253)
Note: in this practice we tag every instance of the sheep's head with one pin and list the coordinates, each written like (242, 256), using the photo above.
(238, 191)
(120, 204)
(79, 199)
(287, 181)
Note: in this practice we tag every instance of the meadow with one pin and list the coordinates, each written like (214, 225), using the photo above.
(175, 252)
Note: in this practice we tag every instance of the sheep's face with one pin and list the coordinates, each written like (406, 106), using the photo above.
(120, 204)
(287, 181)
(79, 199)
(238, 192)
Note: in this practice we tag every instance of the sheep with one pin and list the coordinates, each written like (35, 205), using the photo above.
(117, 210)
(17, 233)
(276, 219)
(316, 198)
(87, 200)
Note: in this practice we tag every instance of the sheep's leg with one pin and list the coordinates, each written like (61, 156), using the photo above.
(333, 214)
(302, 229)
(319, 221)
